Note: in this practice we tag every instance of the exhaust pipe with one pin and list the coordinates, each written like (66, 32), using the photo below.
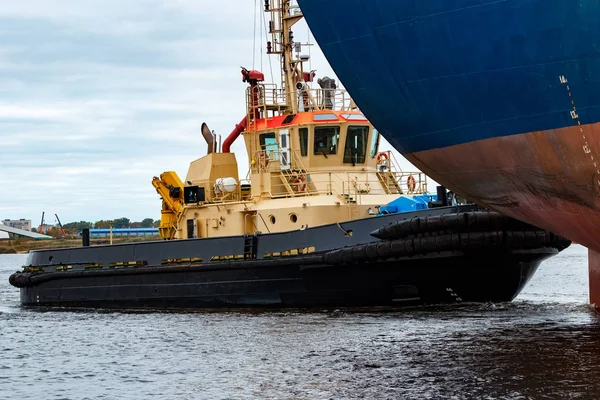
(209, 137)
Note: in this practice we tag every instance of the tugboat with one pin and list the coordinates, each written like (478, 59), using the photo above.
(322, 219)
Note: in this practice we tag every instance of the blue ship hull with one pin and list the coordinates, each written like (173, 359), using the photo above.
(498, 100)
(436, 73)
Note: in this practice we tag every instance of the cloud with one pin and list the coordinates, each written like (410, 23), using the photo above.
(99, 96)
(8, 112)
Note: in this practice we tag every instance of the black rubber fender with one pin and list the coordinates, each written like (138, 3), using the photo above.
(384, 249)
(359, 252)
(427, 244)
(333, 257)
(371, 251)
(398, 247)
(20, 279)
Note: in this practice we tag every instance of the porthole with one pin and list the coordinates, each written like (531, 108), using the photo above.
(272, 219)
(293, 218)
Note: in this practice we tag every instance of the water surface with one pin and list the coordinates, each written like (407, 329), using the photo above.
(545, 344)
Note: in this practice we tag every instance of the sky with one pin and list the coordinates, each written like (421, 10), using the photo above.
(99, 96)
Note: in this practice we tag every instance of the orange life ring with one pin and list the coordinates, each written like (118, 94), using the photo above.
(411, 183)
(299, 184)
(382, 157)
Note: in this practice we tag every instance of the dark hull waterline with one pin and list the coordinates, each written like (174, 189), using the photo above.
(440, 278)
(414, 258)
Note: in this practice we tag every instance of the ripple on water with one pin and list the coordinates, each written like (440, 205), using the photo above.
(544, 344)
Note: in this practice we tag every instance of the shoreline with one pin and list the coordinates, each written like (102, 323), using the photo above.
(24, 246)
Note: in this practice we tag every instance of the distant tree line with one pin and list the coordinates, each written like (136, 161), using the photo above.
(76, 227)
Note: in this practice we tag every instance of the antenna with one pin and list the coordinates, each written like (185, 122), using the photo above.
(284, 15)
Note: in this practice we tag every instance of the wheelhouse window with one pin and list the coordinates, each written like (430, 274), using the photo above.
(356, 144)
(268, 143)
(326, 140)
(303, 141)
(374, 143)
(325, 117)
(354, 117)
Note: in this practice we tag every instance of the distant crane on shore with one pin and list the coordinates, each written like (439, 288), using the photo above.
(64, 234)
(62, 229)
(41, 228)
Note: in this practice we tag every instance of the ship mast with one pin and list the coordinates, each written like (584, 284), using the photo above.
(283, 17)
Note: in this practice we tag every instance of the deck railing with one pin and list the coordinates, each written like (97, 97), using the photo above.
(268, 97)
(332, 182)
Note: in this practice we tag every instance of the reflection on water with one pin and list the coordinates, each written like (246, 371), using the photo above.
(546, 344)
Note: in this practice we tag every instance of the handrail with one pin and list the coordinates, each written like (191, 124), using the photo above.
(407, 182)
(326, 182)
(267, 97)
(332, 182)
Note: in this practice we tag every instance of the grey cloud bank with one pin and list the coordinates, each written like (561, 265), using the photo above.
(96, 97)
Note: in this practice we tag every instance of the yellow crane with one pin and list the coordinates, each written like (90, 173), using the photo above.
(170, 189)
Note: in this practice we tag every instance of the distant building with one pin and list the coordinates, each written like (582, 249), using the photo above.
(118, 232)
(24, 224)
(45, 228)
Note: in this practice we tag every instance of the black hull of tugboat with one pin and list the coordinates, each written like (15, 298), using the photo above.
(431, 256)
(440, 278)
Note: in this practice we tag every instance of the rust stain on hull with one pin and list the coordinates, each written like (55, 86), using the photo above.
(548, 178)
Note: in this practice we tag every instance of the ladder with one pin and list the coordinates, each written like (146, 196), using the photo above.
(298, 173)
(389, 182)
(250, 246)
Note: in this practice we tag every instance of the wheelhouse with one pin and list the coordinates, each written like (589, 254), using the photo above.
(316, 140)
